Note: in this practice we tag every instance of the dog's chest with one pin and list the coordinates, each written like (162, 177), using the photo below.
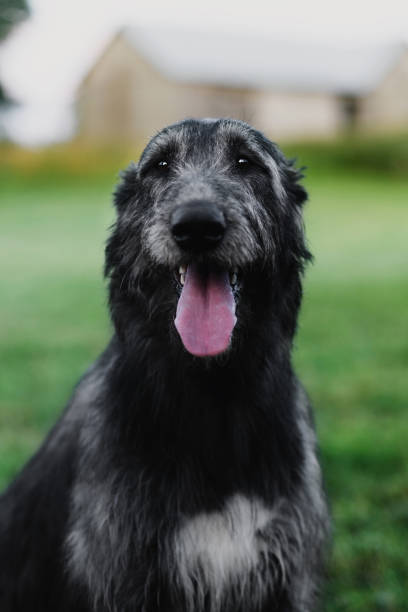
(223, 551)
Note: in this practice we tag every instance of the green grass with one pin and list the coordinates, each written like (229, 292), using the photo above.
(352, 353)
(383, 153)
(351, 350)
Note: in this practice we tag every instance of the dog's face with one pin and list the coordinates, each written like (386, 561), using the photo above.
(209, 230)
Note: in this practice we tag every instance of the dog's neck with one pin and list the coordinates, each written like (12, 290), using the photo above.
(206, 416)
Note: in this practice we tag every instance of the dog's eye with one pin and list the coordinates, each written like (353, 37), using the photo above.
(243, 164)
(247, 165)
(162, 164)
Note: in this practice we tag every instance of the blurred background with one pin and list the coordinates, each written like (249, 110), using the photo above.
(83, 86)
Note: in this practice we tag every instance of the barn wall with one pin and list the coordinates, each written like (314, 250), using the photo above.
(387, 107)
(297, 115)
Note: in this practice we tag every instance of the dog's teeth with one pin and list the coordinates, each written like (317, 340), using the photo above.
(182, 274)
(233, 277)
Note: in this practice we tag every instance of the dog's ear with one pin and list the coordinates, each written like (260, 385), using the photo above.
(127, 187)
(291, 177)
(293, 195)
(285, 176)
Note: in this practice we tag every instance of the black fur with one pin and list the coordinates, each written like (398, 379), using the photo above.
(154, 437)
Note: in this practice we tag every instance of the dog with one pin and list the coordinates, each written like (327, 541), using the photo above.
(183, 475)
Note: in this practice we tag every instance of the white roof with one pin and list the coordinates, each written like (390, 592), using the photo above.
(222, 58)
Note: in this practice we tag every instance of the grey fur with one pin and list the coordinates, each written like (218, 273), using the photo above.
(102, 536)
(211, 179)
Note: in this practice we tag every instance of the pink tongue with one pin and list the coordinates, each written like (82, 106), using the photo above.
(205, 314)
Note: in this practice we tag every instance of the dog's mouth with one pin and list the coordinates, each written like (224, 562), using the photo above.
(205, 316)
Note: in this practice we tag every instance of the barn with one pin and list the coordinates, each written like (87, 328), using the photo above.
(149, 77)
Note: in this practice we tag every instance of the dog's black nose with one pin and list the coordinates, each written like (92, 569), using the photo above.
(198, 225)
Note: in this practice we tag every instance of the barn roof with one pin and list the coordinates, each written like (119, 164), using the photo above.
(249, 61)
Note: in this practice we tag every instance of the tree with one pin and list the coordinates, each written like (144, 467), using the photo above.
(11, 13)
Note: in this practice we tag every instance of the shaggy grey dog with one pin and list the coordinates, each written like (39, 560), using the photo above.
(183, 474)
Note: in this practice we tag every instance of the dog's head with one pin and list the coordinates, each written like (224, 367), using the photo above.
(208, 239)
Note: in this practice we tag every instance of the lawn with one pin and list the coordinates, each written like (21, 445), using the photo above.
(351, 350)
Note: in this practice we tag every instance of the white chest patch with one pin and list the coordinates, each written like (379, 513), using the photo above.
(218, 553)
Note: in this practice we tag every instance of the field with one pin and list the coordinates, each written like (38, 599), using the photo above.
(351, 349)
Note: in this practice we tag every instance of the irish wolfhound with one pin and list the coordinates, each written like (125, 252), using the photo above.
(183, 474)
